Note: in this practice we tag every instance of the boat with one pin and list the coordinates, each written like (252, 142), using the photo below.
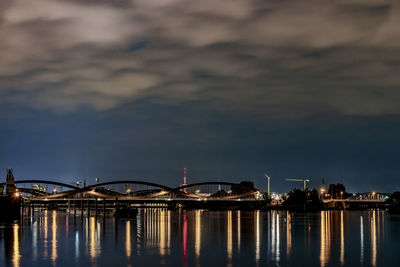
(10, 199)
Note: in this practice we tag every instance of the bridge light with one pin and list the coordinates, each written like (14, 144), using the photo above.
(17, 194)
(54, 190)
(128, 190)
(197, 191)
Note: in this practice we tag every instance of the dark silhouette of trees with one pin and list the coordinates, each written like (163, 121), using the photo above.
(394, 202)
(300, 200)
(337, 191)
(244, 186)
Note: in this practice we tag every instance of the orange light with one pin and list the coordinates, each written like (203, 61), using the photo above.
(17, 194)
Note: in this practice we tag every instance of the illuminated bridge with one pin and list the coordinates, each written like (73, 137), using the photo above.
(359, 200)
(140, 193)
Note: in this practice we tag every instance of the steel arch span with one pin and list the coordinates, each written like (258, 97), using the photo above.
(43, 182)
(157, 191)
(245, 191)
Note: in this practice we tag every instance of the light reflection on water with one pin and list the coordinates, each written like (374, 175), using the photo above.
(201, 238)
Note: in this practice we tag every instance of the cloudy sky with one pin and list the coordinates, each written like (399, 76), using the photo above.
(230, 89)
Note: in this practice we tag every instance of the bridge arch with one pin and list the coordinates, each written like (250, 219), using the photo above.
(44, 182)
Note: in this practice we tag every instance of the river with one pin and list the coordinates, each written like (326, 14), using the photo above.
(204, 238)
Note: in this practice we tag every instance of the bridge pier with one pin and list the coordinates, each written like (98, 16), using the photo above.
(104, 207)
(88, 207)
(82, 208)
(116, 207)
(95, 206)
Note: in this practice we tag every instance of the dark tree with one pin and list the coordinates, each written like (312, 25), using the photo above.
(303, 200)
(337, 190)
(394, 201)
(243, 187)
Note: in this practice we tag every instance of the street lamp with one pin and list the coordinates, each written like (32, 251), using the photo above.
(341, 194)
(97, 180)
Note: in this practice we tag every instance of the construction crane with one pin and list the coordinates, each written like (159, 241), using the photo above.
(269, 180)
(305, 181)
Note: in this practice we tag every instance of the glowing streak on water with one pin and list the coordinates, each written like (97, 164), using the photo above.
(161, 222)
(16, 256)
(373, 239)
(238, 229)
(197, 244)
(128, 239)
(76, 244)
(325, 238)
(34, 239)
(277, 252)
(341, 239)
(45, 234)
(257, 236)
(361, 239)
(54, 238)
(288, 234)
(229, 237)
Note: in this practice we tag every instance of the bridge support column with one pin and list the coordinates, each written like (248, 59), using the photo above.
(82, 208)
(69, 206)
(22, 209)
(74, 208)
(88, 207)
(95, 206)
(116, 207)
(104, 207)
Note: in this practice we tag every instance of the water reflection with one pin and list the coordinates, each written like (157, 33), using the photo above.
(94, 238)
(288, 234)
(275, 236)
(16, 247)
(253, 237)
(361, 240)
(157, 229)
(341, 239)
(34, 240)
(373, 238)
(54, 238)
(229, 238)
(197, 245)
(325, 236)
(238, 230)
(128, 239)
(184, 236)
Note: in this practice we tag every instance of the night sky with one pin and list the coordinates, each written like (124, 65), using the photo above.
(228, 89)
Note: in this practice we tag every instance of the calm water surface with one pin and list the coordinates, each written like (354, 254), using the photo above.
(204, 238)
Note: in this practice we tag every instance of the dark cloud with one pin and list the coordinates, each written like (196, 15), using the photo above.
(282, 58)
(227, 88)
